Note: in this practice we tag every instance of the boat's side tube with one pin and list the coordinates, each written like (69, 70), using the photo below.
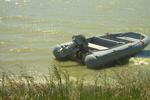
(99, 59)
(57, 52)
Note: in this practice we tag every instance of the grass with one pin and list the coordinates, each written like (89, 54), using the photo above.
(59, 86)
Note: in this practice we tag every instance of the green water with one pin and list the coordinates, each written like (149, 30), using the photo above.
(29, 29)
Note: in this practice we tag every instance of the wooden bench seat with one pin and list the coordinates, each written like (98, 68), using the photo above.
(97, 47)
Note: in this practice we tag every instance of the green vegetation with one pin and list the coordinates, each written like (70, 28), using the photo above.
(59, 86)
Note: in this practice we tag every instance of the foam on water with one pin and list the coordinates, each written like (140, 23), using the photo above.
(140, 61)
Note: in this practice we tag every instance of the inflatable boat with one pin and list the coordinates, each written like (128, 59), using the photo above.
(97, 51)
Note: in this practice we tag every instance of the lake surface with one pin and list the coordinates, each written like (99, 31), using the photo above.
(29, 29)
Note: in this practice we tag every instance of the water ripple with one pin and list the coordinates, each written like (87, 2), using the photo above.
(24, 49)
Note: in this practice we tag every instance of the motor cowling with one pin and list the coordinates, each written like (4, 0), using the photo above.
(80, 41)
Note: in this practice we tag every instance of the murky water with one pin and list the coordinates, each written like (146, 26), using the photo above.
(29, 29)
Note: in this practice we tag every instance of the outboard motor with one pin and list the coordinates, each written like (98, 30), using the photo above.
(75, 50)
(80, 41)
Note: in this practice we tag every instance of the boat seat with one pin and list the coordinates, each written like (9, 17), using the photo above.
(97, 47)
(128, 38)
